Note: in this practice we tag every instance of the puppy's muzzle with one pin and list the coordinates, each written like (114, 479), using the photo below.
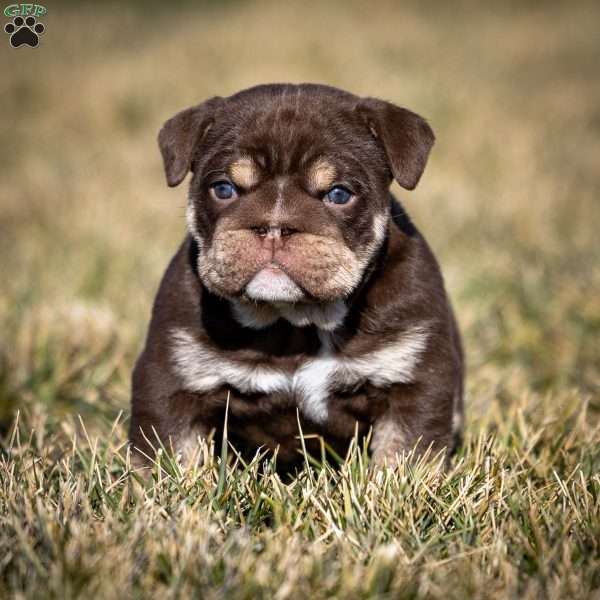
(272, 283)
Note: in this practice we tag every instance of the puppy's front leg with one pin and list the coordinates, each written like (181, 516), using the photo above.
(389, 441)
(401, 429)
(170, 422)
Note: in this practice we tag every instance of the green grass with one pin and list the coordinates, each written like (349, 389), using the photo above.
(509, 202)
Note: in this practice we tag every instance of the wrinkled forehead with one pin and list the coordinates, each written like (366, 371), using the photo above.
(318, 174)
(289, 134)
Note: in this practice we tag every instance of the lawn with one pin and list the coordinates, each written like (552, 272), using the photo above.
(510, 202)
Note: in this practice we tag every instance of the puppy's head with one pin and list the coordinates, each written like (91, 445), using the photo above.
(289, 199)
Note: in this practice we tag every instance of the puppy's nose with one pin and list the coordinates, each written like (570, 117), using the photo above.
(274, 237)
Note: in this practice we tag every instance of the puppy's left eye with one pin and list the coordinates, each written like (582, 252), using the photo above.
(223, 190)
(338, 195)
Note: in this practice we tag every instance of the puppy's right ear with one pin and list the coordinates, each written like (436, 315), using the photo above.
(181, 134)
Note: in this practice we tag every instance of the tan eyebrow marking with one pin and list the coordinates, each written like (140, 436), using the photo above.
(244, 172)
(321, 175)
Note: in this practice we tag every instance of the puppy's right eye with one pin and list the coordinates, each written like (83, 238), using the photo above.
(223, 190)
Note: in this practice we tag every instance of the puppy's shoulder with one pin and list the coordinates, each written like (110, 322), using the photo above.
(177, 302)
(409, 261)
(401, 220)
(407, 288)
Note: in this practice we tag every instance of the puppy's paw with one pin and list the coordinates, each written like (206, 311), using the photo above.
(192, 452)
(389, 444)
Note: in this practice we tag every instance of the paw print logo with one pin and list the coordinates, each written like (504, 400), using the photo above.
(24, 31)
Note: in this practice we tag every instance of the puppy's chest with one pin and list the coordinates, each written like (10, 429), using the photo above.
(318, 385)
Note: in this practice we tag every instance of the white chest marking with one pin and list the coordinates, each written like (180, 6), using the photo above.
(203, 369)
(324, 316)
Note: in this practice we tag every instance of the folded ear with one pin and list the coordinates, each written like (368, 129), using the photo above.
(180, 136)
(405, 136)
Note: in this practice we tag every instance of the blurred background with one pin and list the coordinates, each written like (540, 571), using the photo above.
(510, 200)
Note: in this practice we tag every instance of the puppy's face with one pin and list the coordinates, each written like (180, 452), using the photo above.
(289, 198)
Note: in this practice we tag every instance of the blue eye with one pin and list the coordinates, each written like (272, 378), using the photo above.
(223, 190)
(338, 195)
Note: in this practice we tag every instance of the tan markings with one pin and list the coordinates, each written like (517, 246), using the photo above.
(191, 447)
(388, 443)
(322, 175)
(244, 172)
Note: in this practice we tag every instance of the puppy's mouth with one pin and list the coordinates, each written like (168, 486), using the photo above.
(309, 268)
(272, 284)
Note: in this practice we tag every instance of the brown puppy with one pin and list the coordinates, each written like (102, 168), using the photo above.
(302, 286)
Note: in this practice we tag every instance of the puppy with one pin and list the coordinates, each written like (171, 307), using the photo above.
(302, 292)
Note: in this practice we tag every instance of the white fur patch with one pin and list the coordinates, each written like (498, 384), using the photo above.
(379, 228)
(190, 217)
(273, 285)
(457, 422)
(258, 316)
(388, 442)
(457, 414)
(203, 369)
(253, 316)
(277, 213)
(325, 316)
(394, 363)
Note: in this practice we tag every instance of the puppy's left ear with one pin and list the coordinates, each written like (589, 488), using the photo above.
(180, 136)
(405, 136)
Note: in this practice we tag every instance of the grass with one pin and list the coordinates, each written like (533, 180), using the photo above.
(509, 203)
